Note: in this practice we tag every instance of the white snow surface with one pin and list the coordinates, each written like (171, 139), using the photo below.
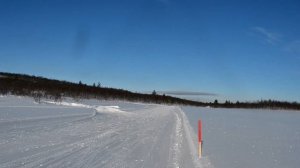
(93, 133)
(248, 138)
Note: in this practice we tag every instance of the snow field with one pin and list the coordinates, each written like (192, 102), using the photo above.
(89, 134)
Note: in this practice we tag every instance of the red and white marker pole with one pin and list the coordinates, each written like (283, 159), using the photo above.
(200, 138)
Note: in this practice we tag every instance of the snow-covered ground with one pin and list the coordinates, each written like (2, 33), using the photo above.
(91, 133)
(249, 138)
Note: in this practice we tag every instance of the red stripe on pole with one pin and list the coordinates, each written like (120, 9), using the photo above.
(199, 131)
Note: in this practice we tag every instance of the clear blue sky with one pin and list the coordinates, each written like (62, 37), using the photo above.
(244, 50)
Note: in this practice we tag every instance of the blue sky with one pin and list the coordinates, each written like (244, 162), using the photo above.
(237, 50)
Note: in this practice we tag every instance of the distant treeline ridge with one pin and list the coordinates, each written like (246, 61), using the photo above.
(40, 87)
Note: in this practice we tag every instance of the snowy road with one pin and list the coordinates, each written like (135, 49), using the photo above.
(88, 134)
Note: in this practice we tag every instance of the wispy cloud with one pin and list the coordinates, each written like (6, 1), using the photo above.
(187, 93)
(293, 47)
(268, 36)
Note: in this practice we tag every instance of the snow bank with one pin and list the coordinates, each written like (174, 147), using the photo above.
(99, 109)
(67, 104)
(109, 109)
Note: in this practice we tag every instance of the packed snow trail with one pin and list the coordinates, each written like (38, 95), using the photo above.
(96, 136)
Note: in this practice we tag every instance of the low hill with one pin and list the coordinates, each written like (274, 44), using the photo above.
(40, 87)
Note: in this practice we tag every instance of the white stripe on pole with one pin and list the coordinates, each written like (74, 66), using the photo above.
(200, 150)
(200, 138)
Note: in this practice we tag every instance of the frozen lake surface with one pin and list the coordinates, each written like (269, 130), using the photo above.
(249, 138)
(92, 133)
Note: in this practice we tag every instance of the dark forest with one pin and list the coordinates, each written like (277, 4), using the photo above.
(39, 87)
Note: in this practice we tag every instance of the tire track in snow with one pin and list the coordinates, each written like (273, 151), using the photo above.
(178, 141)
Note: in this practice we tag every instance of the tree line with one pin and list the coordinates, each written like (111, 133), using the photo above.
(268, 104)
(40, 87)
